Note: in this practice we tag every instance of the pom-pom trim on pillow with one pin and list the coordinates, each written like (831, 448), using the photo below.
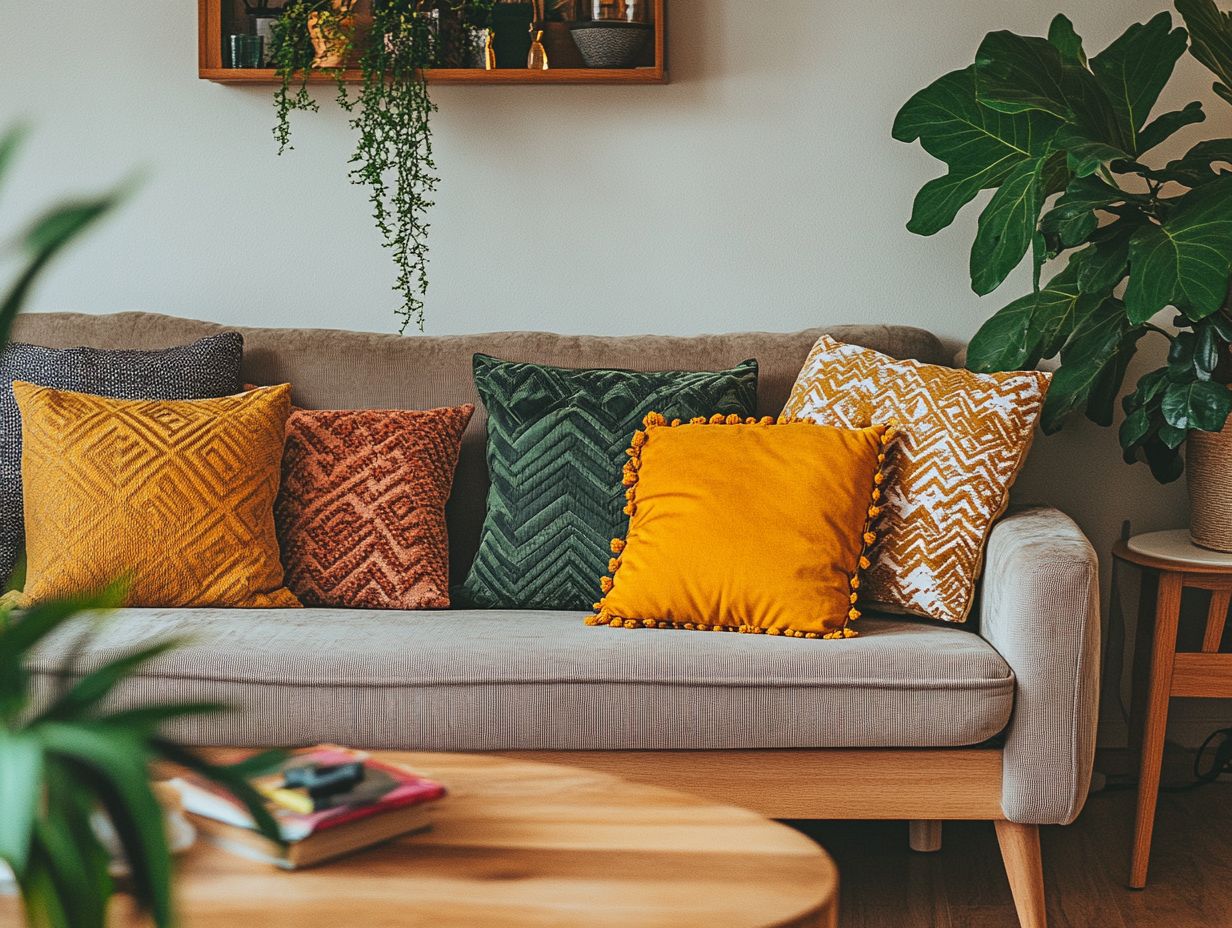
(653, 420)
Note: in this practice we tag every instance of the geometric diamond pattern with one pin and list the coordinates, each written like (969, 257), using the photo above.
(556, 446)
(208, 367)
(177, 494)
(361, 512)
(963, 438)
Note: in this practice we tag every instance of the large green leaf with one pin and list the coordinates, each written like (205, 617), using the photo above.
(1017, 74)
(82, 871)
(1067, 229)
(1136, 67)
(1199, 404)
(1197, 167)
(10, 142)
(1074, 217)
(1103, 263)
(1166, 124)
(41, 895)
(21, 776)
(1065, 40)
(1086, 155)
(76, 869)
(1102, 397)
(1099, 339)
(43, 240)
(1006, 226)
(233, 777)
(980, 146)
(21, 634)
(1186, 262)
(113, 767)
(1031, 328)
(1210, 40)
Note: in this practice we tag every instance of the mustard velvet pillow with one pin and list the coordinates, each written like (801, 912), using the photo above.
(748, 525)
(179, 495)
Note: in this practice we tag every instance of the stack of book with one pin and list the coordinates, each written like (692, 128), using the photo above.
(379, 800)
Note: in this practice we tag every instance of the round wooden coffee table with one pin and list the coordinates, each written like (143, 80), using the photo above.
(520, 844)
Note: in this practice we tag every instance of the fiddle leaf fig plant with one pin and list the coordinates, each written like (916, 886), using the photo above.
(1067, 143)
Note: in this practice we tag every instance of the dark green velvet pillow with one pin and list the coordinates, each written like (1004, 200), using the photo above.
(556, 446)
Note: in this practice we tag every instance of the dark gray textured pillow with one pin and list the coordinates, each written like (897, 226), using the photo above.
(206, 368)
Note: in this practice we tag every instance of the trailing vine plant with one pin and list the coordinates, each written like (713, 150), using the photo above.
(390, 113)
(292, 54)
(392, 119)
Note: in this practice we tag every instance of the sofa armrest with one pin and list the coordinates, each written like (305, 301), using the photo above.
(1040, 610)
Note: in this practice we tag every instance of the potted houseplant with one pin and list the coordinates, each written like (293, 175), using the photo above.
(72, 769)
(1068, 146)
(390, 112)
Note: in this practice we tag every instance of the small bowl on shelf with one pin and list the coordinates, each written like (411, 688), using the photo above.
(611, 43)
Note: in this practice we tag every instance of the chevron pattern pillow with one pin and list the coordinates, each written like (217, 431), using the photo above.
(206, 368)
(963, 438)
(556, 445)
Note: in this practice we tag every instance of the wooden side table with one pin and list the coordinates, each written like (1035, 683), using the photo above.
(1205, 674)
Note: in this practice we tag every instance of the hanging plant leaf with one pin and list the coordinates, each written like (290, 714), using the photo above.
(1187, 260)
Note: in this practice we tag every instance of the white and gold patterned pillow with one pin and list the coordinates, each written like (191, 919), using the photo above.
(963, 438)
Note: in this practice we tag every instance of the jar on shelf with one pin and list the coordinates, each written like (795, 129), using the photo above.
(627, 11)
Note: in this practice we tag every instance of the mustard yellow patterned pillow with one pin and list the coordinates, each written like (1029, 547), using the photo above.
(961, 442)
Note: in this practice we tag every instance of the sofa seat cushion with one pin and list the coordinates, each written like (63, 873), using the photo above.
(489, 680)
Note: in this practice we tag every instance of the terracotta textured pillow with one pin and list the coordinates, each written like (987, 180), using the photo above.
(744, 525)
(361, 512)
(963, 439)
(178, 494)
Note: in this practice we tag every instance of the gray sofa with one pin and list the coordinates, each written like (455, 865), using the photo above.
(995, 719)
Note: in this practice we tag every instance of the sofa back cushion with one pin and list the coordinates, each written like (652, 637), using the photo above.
(330, 369)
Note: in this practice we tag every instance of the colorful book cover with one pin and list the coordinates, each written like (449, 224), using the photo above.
(386, 786)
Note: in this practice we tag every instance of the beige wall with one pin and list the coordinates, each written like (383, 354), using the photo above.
(760, 189)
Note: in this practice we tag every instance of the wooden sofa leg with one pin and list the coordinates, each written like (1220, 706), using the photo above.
(924, 835)
(1020, 850)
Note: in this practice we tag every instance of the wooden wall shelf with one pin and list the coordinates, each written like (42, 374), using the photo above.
(216, 17)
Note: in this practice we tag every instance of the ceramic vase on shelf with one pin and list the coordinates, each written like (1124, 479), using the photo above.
(1208, 473)
(330, 34)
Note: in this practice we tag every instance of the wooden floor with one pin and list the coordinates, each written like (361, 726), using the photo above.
(884, 885)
